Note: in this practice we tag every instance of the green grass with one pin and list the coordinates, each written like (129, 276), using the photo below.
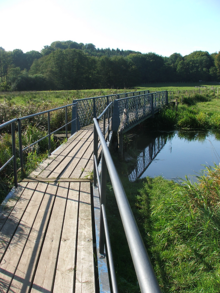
(181, 86)
(32, 156)
(54, 98)
(193, 112)
(180, 228)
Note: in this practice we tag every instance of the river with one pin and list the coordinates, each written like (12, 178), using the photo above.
(173, 154)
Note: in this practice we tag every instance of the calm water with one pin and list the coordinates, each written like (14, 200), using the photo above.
(174, 155)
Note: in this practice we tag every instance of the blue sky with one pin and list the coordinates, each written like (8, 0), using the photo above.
(159, 26)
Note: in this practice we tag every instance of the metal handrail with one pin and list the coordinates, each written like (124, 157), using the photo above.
(141, 261)
(13, 157)
(18, 120)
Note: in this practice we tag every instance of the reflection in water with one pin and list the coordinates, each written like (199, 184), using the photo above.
(145, 158)
(175, 155)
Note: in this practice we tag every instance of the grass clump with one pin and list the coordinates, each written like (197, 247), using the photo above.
(195, 112)
(180, 227)
(31, 156)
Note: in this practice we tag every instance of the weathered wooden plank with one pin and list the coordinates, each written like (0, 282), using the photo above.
(78, 135)
(54, 180)
(25, 271)
(89, 136)
(87, 172)
(79, 168)
(6, 208)
(12, 256)
(85, 281)
(64, 280)
(64, 163)
(72, 162)
(43, 165)
(13, 220)
(89, 151)
(71, 148)
(82, 162)
(44, 276)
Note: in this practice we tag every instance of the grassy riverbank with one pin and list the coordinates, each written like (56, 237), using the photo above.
(193, 112)
(179, 223)
(180, 228)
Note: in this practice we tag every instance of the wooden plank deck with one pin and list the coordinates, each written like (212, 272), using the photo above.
(46, 231)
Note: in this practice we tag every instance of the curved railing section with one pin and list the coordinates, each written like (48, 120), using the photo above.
(130, 111)
(89, 108)
(144, 271)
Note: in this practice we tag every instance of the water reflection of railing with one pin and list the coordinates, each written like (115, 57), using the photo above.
(145, 158)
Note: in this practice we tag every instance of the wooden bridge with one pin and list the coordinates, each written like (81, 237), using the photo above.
(48, 235)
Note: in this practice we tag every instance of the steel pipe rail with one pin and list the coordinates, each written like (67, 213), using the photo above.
(144, 271)
(45, 112)
(18, 121)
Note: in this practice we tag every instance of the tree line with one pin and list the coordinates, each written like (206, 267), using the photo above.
(70, 65)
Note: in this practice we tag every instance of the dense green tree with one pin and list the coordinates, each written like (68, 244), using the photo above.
(72, 65)
(47, 50)
(30, 57)
(217, 64)
(19, 59)
(199, 64)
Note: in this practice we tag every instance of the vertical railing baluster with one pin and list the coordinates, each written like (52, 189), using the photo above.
(94, 108)
(104, 125)
(20, 147)
(102, 202)
(66, 122)
(137, 100)
(49, 142)
(95, 147)
(14, 153)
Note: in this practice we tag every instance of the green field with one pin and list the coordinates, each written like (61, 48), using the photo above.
(181, 86)
(58, 98)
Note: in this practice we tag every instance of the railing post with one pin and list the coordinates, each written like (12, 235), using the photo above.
(144, 110)
(127, 112)
(115, 117)
(74, 124)
(66, 122)
(104, 126)
(48, 122)
(14, 153)
(77, 126)
(20, 146)
(136, 106)
(102, 202)
(152, 104)
(166, 97)
(95, 154)
(94, 109)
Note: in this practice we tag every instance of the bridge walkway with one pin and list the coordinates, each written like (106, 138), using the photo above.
(46, 231)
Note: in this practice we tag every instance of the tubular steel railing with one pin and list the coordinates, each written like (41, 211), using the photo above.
(131, 110)
(89, 108)
(144, 271)
(12, 124)
(16, 123)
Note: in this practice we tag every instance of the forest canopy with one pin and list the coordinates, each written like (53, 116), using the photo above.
(70, 65)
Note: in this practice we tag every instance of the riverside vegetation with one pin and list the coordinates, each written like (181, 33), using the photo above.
(179, 223)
